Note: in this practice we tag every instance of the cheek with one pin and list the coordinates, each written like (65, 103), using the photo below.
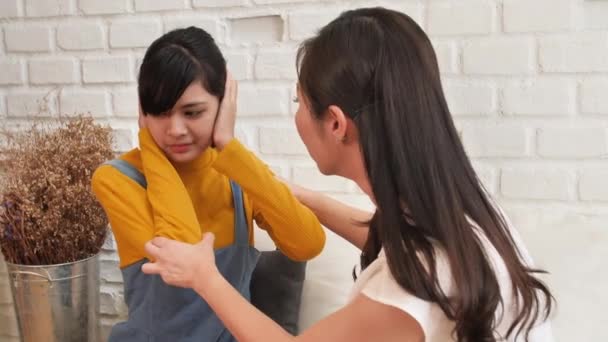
(203, 127)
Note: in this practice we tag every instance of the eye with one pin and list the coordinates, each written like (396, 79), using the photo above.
(193, 113)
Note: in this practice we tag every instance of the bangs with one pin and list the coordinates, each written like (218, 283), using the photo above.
(164, 76)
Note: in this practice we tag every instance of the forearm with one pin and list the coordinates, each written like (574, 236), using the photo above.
(243, 320)
(174, 215)
(292, 226)
(348, 222)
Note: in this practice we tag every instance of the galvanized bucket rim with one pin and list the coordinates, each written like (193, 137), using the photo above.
(51, 265)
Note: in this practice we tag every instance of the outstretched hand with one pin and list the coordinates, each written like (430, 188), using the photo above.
(181, 264)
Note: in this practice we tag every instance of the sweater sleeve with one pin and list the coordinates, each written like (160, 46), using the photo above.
(128, 211)
(293, 227)
(172, 210)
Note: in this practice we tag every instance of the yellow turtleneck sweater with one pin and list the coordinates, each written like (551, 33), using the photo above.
(182, 202)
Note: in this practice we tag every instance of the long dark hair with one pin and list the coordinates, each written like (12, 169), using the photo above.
(175, 60)
(379, 67)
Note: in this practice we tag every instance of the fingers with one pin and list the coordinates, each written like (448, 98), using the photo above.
(231, 88)
(160, 241)
(151, 268)
(208, 239)
(152, 250)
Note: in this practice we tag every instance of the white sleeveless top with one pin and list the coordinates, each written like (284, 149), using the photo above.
(377, 283)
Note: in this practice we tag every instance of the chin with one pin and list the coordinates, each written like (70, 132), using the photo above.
(181, 158)
(326, 170)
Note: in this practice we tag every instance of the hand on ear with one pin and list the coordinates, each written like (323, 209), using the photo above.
(223, 130)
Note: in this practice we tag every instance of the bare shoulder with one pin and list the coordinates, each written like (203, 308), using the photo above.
(364, 319)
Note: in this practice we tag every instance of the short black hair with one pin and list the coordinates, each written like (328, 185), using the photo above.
(173, 62)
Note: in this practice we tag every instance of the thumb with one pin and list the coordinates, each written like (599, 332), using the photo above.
(207, 241)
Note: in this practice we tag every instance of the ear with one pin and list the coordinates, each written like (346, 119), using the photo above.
(337, 122)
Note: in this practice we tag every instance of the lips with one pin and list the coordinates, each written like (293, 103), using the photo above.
(180, 148)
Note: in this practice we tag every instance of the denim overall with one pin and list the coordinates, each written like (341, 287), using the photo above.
(162, 313)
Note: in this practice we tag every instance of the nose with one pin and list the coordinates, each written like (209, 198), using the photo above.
(177, 126)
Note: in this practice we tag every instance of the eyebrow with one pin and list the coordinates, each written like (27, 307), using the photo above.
(193, 104)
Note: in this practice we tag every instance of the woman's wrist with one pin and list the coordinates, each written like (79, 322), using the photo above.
(206, 282)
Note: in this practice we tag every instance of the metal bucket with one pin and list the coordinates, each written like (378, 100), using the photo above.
(57, 303)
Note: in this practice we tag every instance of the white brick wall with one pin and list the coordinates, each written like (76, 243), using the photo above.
(48, 8)
(81, 35)
(525, 79)
(499, 56)
(461, 18)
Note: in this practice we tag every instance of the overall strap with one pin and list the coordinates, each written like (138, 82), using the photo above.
(128, 170)
(241, 229)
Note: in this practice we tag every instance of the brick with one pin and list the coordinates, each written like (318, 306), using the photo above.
(123, 139)
(595, 14)
(218, 3)
(572, 142)
(103, 7)
(10, 9)
(499, 56)
(537, 184)
(110, 272)
(158, 5)
(305, 24)
(31, 103)
(134, 33)
(267, 2)
(211, 26)
(275, 65)
(262, 101)
(125, 102)
(260, 30)
(546, 98)
(111, 302)
(310, 177)
(532, 16)
(12, 72)
(581, 52)
(412, 9)
(109, 245)
(488, 176)
(27, 38)
(80, 36)
(95, 102)
(49, 8)
(239, 64)
(593, 186)
(281, 141)
(56, 70)
(107, 69)
(461, 18)
(447, 57)
(470, 99)
(2, 45)
(496, 141)
(593, 97)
